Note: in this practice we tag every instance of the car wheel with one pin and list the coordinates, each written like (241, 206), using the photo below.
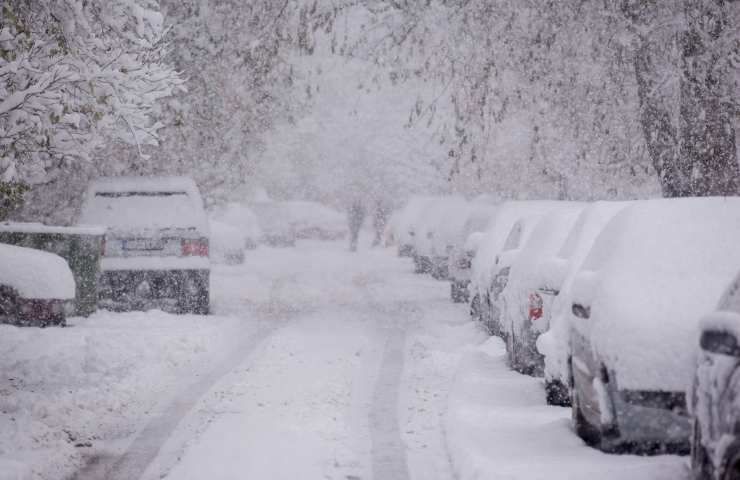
(588, 433)
(195, 297)
(557, 393)
(701, 466)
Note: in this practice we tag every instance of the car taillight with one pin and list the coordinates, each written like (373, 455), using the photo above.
(535, 306)
(195, 247)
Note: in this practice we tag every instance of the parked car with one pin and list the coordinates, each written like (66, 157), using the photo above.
(241, 221)
(715, 394)
(529, 293)
(461, 254)
(557, 276)
(157, 246)
(405, 223)
(36, 287)
(448, 234)
(488, 275)
(431, 218)
(283, 223)
(654, 270)
(227, 244)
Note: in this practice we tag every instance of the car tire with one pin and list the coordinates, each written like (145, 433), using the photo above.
(587, 432)
(198, 301)
(556, 393)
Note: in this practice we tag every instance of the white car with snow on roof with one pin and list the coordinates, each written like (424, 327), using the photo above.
(655, 269)
(157, 246)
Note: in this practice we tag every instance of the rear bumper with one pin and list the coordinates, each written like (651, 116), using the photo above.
(168, 290)
(653, 419)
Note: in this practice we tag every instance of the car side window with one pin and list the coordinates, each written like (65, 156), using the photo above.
(515, 235)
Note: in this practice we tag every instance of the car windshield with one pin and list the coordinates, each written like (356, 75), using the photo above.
(122, 210)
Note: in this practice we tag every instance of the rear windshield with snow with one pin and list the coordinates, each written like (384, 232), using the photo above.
(128, 211)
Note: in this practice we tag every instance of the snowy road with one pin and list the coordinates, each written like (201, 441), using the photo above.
(318, 364)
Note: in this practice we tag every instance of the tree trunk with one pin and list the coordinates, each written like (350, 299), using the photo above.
(657, 126)
(708, 149)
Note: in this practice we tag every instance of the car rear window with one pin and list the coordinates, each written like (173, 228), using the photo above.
(141, 210)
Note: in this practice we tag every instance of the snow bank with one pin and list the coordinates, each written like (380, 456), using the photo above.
(655, 269)
(561, 270)
(36, 274)
(66, 391)
(498, 427)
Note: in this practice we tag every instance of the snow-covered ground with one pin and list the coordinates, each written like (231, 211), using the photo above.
(317, 364)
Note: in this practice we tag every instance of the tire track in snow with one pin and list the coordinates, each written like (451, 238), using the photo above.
(388, 449)
(146, 445)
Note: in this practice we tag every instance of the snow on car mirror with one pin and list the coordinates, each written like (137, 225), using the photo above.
(719, 341)
(581, 311)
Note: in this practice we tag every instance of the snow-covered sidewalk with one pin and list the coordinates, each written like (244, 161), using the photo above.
(499, 427)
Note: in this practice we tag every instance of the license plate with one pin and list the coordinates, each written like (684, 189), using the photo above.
(143, 244)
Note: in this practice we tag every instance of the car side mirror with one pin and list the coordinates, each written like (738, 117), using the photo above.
(720, 341)
(581, 311)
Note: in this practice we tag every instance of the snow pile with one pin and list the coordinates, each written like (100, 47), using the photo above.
(560, 271)
(144, 203)
(529, 273)
(65, 391)
(36, 274)
(654, 271)
(498, 426)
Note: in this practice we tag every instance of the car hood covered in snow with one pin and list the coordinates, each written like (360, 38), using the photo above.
(653, 272)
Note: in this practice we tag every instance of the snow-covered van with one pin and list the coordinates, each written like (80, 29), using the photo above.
(653, 272)
(34, 287)
(157, 244)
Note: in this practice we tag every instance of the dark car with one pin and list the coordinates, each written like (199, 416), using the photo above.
(157, 247)
(36, 288)
(715, 404)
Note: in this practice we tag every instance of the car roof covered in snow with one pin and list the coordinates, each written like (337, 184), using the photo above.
(35, 274)
(653, 272)
(507, 214)
(436, 219)
(132, 204)
(408, 218)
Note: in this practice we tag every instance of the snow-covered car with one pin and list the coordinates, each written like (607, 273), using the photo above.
(463, 248)
(448, 234)
(715, 394)
(527, 298)
(654, 270)
(35, 287)
(556, 279)
(488, 274)
(239, 218)
(431, 223)
(283, 223)
(227, 243)
(157, 246)
(405, 222)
